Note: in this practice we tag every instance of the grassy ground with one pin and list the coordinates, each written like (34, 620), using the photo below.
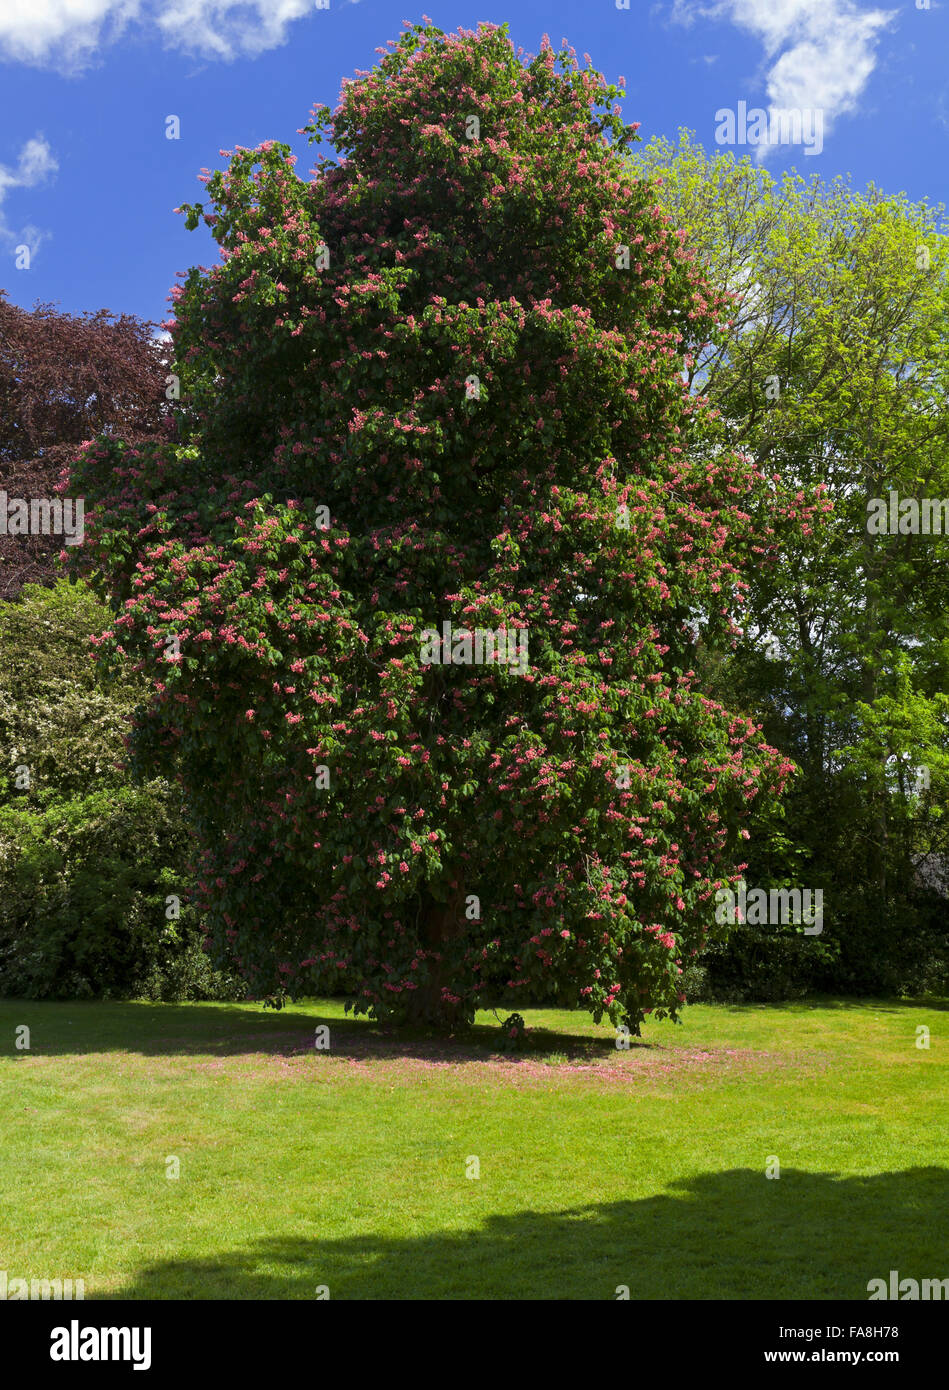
(349, 1168)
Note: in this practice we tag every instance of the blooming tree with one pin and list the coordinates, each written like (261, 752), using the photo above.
(432, 415)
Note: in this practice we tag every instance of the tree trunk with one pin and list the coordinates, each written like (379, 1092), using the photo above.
(440, 924)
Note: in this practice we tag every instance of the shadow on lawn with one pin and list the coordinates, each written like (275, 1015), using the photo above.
(228, 1030)
(827, 1003)
(732, 1235)
(231, 1030)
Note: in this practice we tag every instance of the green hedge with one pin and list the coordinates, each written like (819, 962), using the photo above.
(84, 890)
(88, 862)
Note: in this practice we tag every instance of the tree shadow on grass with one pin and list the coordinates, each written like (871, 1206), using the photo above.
(729, 1235)
(228, 1030)
(831, 1003)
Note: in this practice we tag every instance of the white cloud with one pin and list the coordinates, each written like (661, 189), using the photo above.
(228, 28)
(68, 33)
(36, 162)
(821, 53)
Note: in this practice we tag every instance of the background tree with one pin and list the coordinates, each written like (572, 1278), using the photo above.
(87, 861)
(832, 373)
(64, 380)
(443, 381)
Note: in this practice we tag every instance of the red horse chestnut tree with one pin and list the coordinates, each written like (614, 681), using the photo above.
(421, 575)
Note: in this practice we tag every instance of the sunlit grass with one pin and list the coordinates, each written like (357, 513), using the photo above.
(348, 1168)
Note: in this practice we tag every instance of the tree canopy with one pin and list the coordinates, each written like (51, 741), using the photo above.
(65, 379)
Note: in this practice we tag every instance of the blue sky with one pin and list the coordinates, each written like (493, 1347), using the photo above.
(89, 181)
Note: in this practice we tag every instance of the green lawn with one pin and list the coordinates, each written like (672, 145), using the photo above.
(598, 1167)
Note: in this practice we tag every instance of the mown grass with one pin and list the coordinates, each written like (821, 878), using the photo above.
(349, 1168)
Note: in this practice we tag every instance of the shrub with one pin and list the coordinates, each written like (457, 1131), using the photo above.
(83, 889)
(86, 860)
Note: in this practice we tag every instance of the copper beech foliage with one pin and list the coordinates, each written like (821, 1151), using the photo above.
(65, 379)
(434, 338)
